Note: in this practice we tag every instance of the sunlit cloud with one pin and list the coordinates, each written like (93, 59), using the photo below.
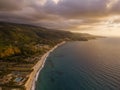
(42, 2)
(56, 1)
(111, 3)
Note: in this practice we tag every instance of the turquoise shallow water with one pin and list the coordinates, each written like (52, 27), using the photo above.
(85, 65)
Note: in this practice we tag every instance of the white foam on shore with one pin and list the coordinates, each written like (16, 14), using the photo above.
(36, 77)
(44, 57)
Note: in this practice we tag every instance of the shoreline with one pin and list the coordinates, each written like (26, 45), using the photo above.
(30, 84)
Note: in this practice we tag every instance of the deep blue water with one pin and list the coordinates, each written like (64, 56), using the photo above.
(84, 65)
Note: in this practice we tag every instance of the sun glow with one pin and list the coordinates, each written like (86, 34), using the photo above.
(56, 1)
(111, 3)
(108, 27)
(108, 33)
(42, 2)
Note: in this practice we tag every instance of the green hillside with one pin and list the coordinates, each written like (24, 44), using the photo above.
(20, 40)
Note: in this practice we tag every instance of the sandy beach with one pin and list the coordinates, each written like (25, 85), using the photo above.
(30, 84)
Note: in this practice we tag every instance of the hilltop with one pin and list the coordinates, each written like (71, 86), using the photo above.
(21, 39)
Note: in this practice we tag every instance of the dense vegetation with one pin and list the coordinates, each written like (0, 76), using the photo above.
(20, 40)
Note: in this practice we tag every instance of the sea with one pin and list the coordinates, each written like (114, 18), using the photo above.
(82, 65)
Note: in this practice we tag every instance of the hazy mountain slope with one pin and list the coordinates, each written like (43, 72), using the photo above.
(21, 40)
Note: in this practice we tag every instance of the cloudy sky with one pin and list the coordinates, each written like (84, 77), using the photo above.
(101, 17)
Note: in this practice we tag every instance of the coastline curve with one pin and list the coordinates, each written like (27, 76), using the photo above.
(30, 84)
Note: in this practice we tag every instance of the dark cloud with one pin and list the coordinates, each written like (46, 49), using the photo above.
(77, 8)
(8, 5)
(66, 14)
